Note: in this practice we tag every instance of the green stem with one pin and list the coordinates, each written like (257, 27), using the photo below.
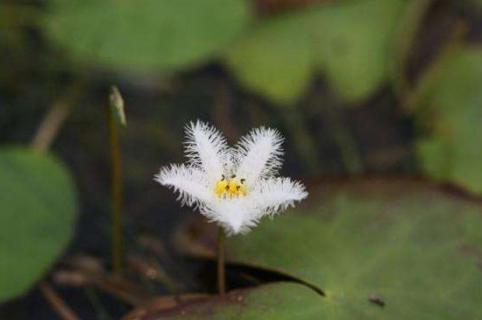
(221, 264)
(116, 192)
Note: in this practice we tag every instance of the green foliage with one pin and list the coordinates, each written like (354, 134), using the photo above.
(275, 59)
(146, 34)
(354, 44)
(451, 105)
(38, 206)
(271, 302)
(409, 244)
(350, 42)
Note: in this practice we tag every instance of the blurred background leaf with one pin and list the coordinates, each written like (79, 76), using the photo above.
(38, 206)
(355, 43)
(275, 59)
(450, 110)
(350, 42)
(146, 35)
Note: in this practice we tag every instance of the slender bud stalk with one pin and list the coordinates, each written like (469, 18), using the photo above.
(113, 122)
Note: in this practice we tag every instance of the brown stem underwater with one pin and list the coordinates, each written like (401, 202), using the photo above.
(57, 303)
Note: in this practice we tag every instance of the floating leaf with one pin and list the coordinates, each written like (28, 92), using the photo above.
(276, 59)
(275, 301)
(145, 34)
(354, 44)
(38, 206)
(350, 42)
(378, 248)
(453, 149)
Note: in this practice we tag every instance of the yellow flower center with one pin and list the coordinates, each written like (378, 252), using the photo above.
(232, 187)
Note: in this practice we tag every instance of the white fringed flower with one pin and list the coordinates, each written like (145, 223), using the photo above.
(232, 186)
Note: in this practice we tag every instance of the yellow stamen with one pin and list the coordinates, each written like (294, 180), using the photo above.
(230, 188)
(220, 188)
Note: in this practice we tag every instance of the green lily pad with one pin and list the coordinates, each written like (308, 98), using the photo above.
(275, 60)
(350, 42)
(145, 34)
(355, 43)
(280, 301)
(378, 248)
(451, 105)
(37, 213)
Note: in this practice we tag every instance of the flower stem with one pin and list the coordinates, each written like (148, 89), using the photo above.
(116, 192)
(221, 264)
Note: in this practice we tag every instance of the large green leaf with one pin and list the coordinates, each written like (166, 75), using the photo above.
(270, 302)
(146, 34)
(451, 107)
(275, 60)
(351, 42)
(378, 248)
(355, 43)
(37, 212)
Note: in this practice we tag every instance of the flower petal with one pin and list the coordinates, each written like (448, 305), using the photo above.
(206, 149)
(237, 215)
(277, 194)
(259, 154)
(189, 182)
